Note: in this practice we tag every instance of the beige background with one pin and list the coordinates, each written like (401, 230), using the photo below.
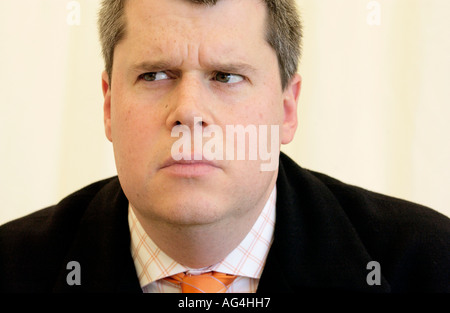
(374, 110)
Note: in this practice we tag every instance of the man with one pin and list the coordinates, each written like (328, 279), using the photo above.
(176, 216)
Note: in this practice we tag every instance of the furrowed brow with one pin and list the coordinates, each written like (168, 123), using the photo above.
(151, 66)
(234, 68)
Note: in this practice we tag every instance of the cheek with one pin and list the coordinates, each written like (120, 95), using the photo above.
(262, 105)
(265, 111)
(129, 118)
(131, 132)
(121, 122)
(268, 104)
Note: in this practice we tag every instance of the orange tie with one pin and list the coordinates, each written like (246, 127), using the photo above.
(211, 282)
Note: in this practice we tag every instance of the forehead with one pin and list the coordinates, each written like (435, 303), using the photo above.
(230, 26)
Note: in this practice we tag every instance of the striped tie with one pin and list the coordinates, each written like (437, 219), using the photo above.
(211, 282)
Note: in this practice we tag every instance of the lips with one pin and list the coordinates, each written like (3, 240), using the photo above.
(189, 168)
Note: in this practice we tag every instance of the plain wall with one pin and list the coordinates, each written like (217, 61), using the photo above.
(374, 109)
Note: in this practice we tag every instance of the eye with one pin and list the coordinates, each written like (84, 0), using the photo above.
(227, 78)
(153, 76)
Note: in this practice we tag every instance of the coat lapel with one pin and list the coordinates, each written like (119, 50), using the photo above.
(315, 246)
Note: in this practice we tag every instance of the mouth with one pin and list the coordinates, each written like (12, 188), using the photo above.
(195, 167)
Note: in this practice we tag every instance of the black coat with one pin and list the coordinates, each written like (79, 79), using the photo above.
(326, 234)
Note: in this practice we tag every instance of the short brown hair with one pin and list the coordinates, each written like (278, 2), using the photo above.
(284, 32)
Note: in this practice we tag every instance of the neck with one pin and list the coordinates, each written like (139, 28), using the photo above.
(199, 246)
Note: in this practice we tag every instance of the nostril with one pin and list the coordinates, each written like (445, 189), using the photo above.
(198, 121)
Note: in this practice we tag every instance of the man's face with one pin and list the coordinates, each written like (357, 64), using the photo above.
(174, 65)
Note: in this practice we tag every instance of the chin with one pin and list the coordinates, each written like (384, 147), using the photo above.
(192, 214)
(184, 208)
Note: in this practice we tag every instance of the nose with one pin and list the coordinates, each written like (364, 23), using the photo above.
(188, 104)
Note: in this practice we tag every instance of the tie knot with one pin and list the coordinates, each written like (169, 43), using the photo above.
(211, 282)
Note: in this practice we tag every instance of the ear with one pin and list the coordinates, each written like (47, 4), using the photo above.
(106, 105)
(291, 95)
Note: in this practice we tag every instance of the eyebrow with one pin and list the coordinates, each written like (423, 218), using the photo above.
(237, 67)
(151, 66)
(160, 65)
